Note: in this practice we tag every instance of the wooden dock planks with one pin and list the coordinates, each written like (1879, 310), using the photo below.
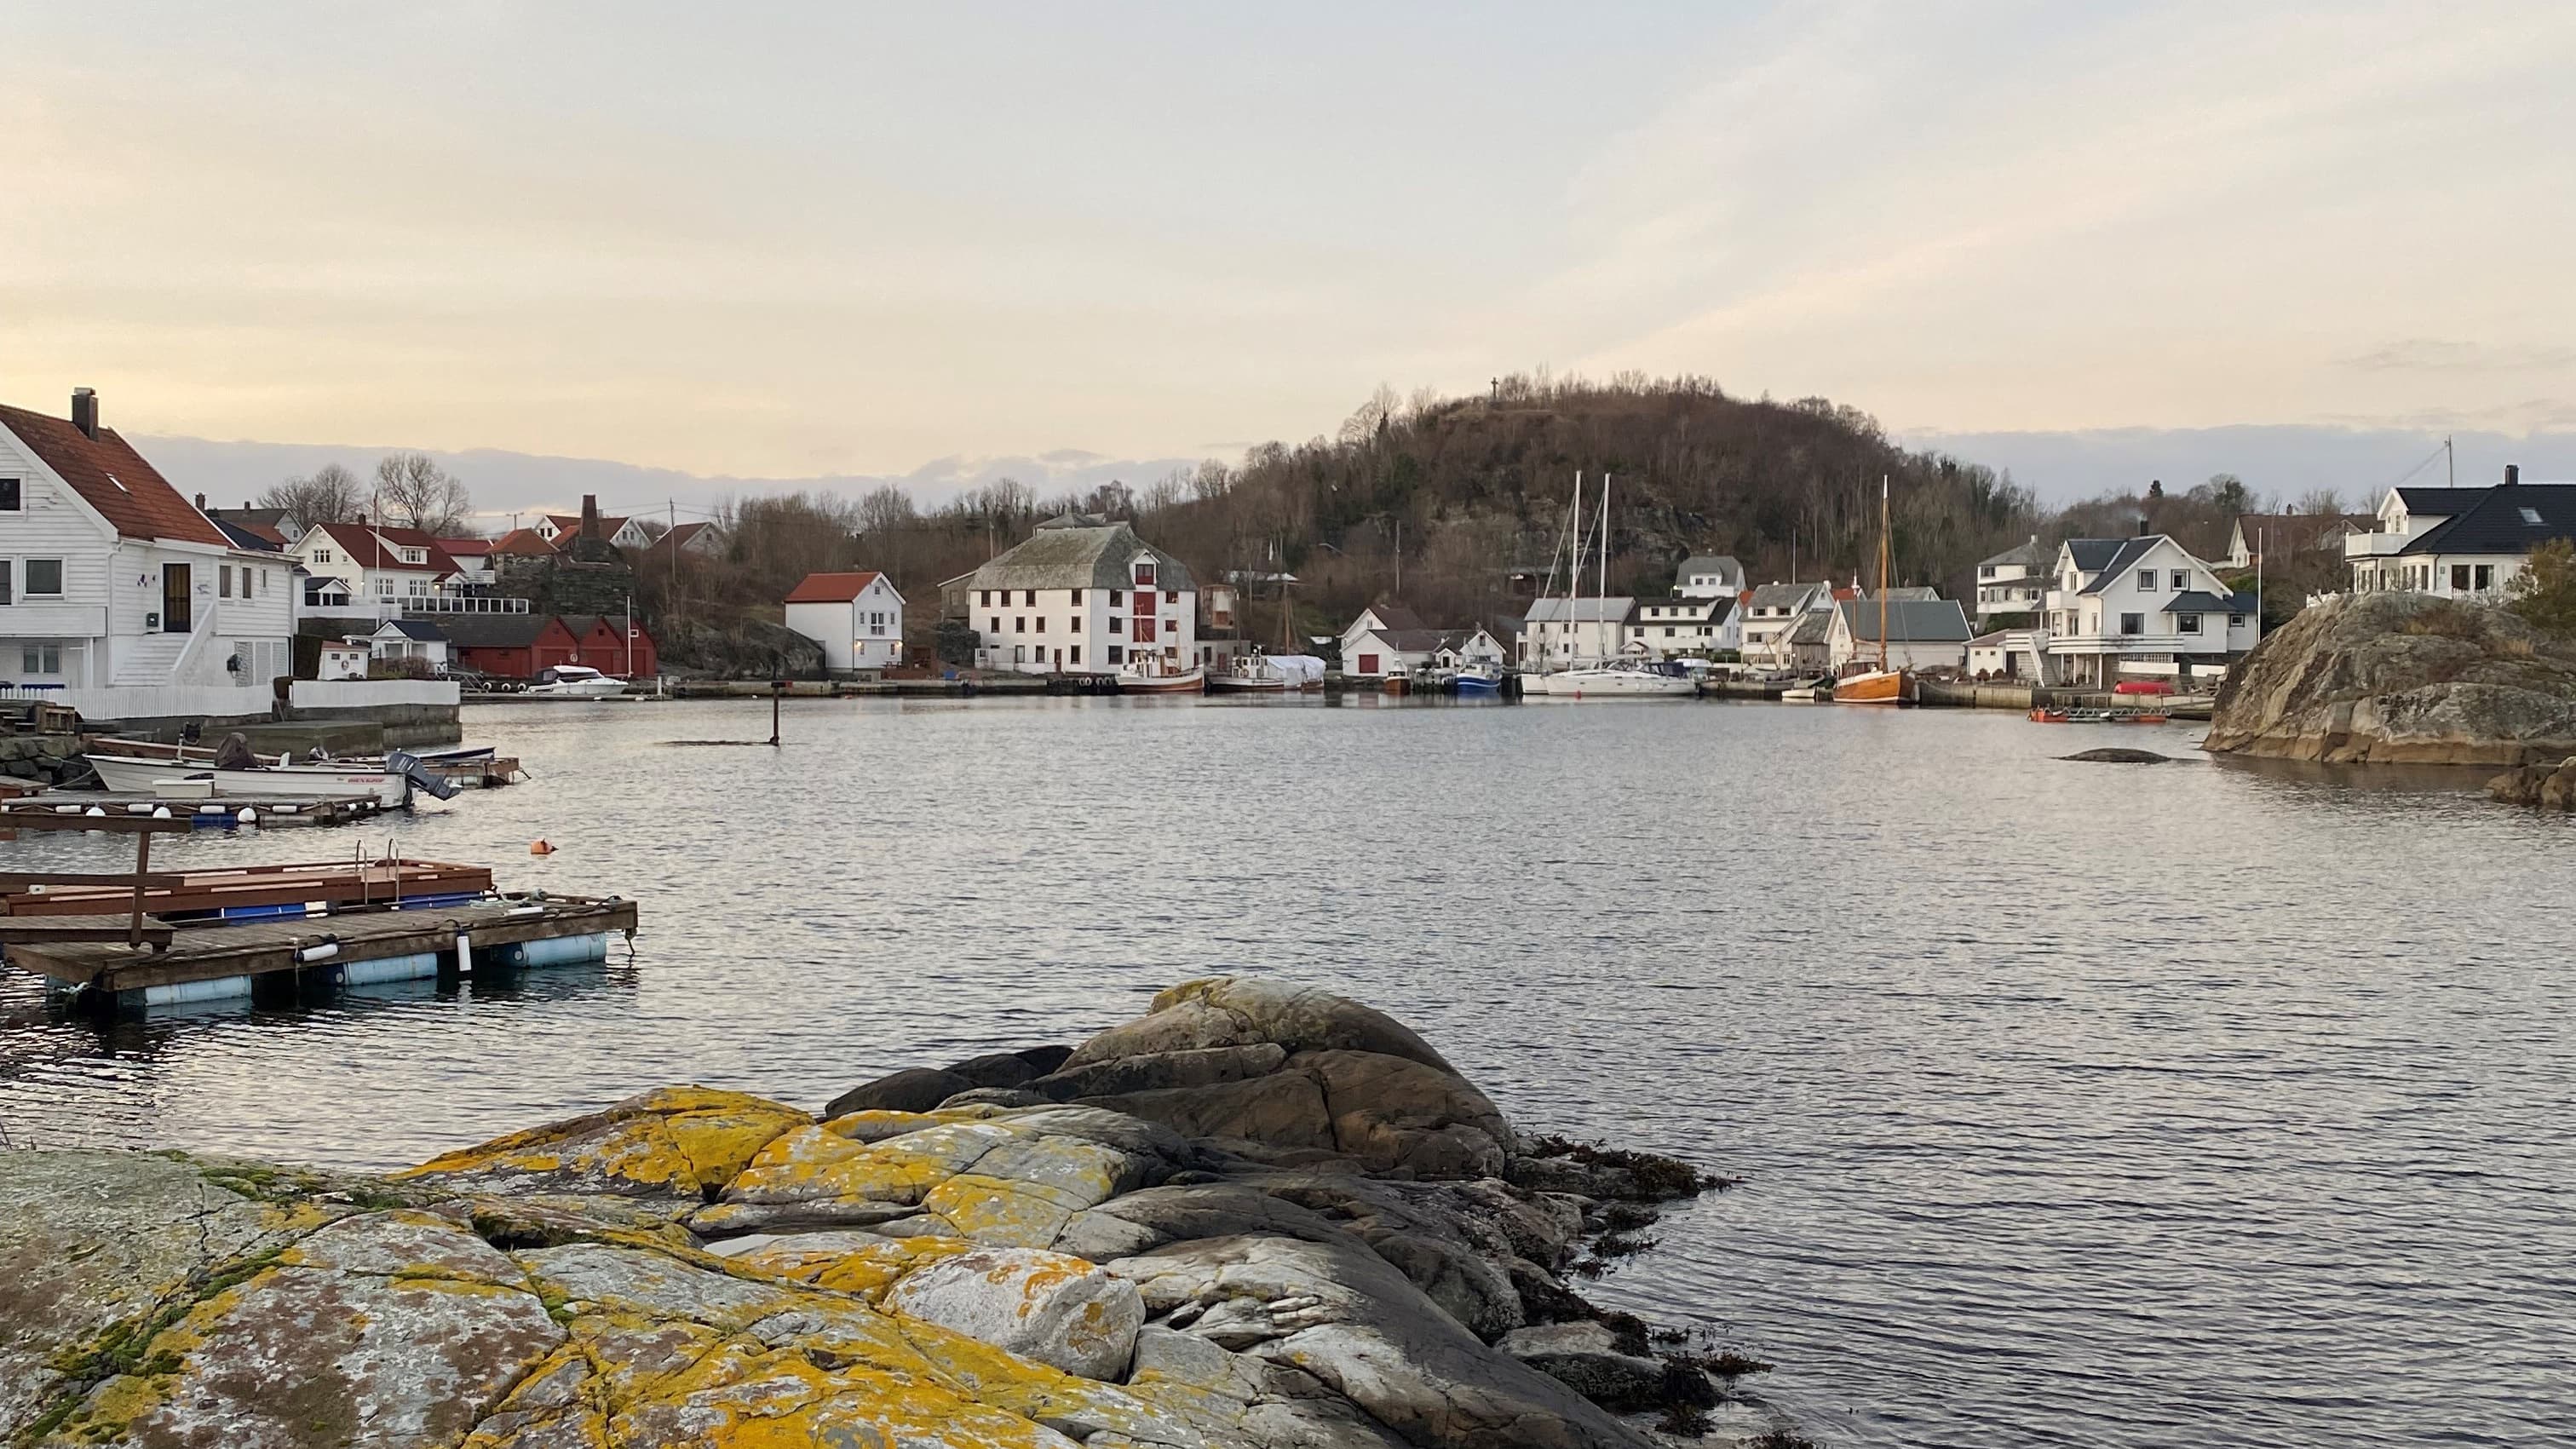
(256, 948)
(335, 882)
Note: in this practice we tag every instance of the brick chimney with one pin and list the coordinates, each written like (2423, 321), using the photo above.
(85, 412)
(590, 515)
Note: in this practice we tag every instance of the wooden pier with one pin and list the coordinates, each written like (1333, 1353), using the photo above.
(221, 812)
(179, 964)
(242, 889)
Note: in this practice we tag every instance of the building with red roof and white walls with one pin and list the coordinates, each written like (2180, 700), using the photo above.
(112, 583)
(856, 617)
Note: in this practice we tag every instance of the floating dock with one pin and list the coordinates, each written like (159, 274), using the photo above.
(180, 964)
(245, 892)
(222, 812)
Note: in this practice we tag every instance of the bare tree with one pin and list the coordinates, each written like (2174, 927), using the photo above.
(331, 495)
(885, 509)
(412, 491)
(2319, 500)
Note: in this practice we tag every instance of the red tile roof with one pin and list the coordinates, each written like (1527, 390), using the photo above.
(113, 478)
(569, 524)
(525, 541)
(830, 588)
(466, 547)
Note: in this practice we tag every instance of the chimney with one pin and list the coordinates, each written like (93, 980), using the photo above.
(2512, 474)
(201, 503)
(85, 412)
(590, 515)
(2142, 528)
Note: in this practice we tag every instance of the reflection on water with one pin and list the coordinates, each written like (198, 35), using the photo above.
(2080, 1103)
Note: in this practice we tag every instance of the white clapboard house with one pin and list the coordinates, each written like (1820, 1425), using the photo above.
(2460, 543)
(1082, 595)
(2141, 606)
(117, 595)
(856, 617)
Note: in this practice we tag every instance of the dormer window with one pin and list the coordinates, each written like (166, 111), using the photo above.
(1144, 573)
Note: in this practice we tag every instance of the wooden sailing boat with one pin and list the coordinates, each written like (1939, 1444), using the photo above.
(1881, 685)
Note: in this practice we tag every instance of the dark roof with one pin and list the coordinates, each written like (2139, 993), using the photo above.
(113, 478)
(1413, 641)
(412, 628)
(1909, 621)
(1780, 596)
(1396, 616)
(2445, 502)
(2130, 551)
(2511, 518)
(494, 631)
(1710, 563)
(246, 536)
(1812, 627)
(2201, 601)
(2298, 532)
(2095, 553)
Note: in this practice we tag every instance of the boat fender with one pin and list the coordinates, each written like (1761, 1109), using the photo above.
(540, 847)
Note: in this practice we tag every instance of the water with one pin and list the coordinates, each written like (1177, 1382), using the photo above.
(2078, 1104)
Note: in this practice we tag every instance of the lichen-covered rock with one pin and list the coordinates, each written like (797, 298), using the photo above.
(386, 1329)
(1586, 1358)
(1157, 1071)
(2401, 678)
(674, 1142)
(1219, 1011)
(1045, 1306)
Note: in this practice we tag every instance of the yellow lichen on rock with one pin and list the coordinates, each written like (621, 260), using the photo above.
(815, 1163)
(678, 1140)
(858, 1263)
(1001, 1213)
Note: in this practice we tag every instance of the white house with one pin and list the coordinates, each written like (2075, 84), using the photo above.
(2013, 582)
(2459, 542)
(1082, 595)
(1371, 642)
(1703, 626)
(2284, 535)
(1921, 634)
(2141, 606)
(1561, 633)
(112, 587)
(1709, 576)
(399, 639)
(1473, 645)
(857, 618)
(2014, 654)
(1770, 612)
(623, 532)
(369, 567)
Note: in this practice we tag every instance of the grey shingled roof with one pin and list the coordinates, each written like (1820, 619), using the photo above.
(1063, 556)
(1710, 563)
(2029, 555)
(2201, 601)
(1580, 611)
(1780, 596)
(1812, 627)
(2130, 551)
(1909, 621)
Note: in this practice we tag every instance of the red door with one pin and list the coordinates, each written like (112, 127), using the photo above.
(1368, 664)
(1141, 607)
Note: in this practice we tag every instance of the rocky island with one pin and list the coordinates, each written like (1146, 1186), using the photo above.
(1256, 1216)
(2402, 678)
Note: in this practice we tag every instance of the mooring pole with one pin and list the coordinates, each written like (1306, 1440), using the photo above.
(142, 867)
(777, 692)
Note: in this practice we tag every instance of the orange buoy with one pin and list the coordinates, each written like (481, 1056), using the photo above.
(541, 848)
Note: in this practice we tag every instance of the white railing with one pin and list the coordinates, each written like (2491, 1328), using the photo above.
(418, 605)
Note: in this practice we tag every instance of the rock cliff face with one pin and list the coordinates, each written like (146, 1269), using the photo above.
(1257, 1216)
(2401, 679)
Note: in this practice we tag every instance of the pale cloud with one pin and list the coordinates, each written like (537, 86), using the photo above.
(2428, 354)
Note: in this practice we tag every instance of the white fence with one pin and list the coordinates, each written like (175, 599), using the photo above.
(156, 701)
(364, 693)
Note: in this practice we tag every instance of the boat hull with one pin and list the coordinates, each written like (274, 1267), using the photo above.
(1609, 684)
(1232, 684)
(294, 782)
(1193, 681)
(1879, 686)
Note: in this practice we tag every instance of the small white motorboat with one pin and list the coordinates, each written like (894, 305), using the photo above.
(575, 681)
(128, 774)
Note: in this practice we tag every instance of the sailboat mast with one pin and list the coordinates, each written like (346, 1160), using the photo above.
(1882, 573)
(1601, 604)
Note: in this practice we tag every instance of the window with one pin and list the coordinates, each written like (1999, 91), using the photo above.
(1041, 623)
(1117, 655)
(1077, 603)
(2236, 621)
(984, 597)
(385, 587)
(2146, 581)
(321, 555)
(2459, 578)
(1019, 654)
(2133, 623)
(224, 572)
(1668, 631)
(1031, 597)
(2531, 516)
(1020, 624)
(1144, 573)
(41, 659)
(10, 500)
(1117, 624)
(1985, 571)
(1077, 654)
(2181, 580)
(997, 625)
(2190, 622)
(2486, 577)
(44, 578)
(1116, 597)
(1171, 596)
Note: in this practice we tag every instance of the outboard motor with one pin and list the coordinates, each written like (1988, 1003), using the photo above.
(422, 777)
(234, 754)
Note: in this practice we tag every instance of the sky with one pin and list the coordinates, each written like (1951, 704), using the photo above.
(933, 243)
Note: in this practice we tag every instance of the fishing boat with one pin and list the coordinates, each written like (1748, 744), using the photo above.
(1478, 679)
(389, 786)
(1248, 674)
(205, 755)
(1153, 675)
(575, 681)
(1881, 685)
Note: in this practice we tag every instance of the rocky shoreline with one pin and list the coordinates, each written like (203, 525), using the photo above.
(1256, 1216)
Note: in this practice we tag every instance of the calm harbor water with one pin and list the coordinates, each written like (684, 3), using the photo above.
(2077, 1104)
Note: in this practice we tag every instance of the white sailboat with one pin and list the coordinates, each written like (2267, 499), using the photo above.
(1612, 676)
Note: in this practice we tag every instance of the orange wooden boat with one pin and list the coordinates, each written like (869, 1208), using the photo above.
(1881, 685)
